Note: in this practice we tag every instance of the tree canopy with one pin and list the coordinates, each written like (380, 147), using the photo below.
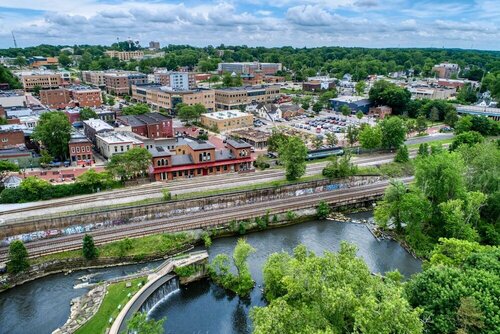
(135, 162)
(54, 131)
(335, 293)
(293, 154)
(136, 109)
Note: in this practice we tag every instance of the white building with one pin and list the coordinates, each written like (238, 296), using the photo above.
(111, 143)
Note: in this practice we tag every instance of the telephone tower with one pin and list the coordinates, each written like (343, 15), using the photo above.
(14, 38)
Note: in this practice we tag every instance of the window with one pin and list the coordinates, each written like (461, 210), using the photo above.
(225, 167)
(72, 150)
(88, 148)
(158, 162)
(121, 148)
(77, 149)
(218, 168)
(116, 149)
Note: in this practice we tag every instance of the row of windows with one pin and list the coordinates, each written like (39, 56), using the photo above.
(121, 148)
(77, 149)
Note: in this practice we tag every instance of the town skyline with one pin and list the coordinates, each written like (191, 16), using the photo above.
(345, 23)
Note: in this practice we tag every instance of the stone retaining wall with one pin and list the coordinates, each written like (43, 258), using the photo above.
(81, 223)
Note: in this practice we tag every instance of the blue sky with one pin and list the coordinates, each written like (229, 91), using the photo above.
(367, 23)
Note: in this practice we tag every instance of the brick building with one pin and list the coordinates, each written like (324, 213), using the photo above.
(150, 125)
(44, 80)
(446, 70)
(95, 78)
(80, 151)
(119, 83)
(236, 97)
(72, 96)
(249, 67)
(39, 61)
(199, 158)
(11, 136)
(163, 97)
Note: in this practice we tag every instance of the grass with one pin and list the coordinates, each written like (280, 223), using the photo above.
(433, 142)
(392, 169)
(137, 247)
(117, 294)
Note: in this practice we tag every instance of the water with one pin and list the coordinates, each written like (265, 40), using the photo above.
(161, 294)
(40, 306)
(202, 307)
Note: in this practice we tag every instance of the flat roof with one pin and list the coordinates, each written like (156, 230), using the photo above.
(349, 98)
(198, 144)
(238, 143)
(98, 124)
(225, 114)
(247, 88)
(117, 138)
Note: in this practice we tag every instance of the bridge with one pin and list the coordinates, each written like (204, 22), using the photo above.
(155, 280)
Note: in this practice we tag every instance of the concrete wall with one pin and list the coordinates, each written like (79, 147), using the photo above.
(80, 223)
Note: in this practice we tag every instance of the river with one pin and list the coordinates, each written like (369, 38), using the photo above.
(202, 307)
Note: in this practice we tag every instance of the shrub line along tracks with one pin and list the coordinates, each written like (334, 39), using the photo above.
(203, 219)
(178, 187)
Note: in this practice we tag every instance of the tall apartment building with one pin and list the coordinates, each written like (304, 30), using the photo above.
(154, 45)
(176, 80)
(119, 83)
(164, 97)
(235, 97)
(125, 55)
(446, 70)
(73, 96)
(43, 79)
(95, 78)
(249, 67)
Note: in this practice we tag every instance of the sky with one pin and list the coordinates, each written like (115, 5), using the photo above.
(468, 24)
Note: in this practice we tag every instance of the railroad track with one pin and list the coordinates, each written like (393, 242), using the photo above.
(183, 186)
(200, 219)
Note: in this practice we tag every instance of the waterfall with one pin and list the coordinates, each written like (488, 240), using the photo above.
(160, 295)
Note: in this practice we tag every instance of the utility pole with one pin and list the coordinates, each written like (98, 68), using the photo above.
(14, 38)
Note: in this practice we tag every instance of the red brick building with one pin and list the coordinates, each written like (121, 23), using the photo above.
(80, 151)
(150, 125)
(10, 137)
(58, 98)
(198, 158)
(74, 96)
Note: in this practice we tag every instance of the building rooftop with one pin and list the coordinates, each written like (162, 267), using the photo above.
(159, 151)
(198, 144)
(226, 114)
(252, 134)
(182, 159)
(238, 143)
(349, 99)
(118, 138)
(247, 88)
(98, 124)
(13, 127)
(167, 89)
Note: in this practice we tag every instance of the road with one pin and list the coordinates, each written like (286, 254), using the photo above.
(13, 212)
(202, 219)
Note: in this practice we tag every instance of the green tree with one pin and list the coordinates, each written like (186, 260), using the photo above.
(276, 140)
(359, 114)
(20, 61)
(423, 150)
(370, 137)
(339, 167)
(360, 87)
(434, 116)
(89, 249)
(54, 131)
(95, 181)
(6, 167)
(345, 110)
(386, 93)
(111, 100)
(317, 107)
(393, 132)
(133, 163)
(331, 139)
(451, 118)
(322, 210)
(34, 188)
(64, 60)
(352, 134)
(463, 124)
(317, 142)
(45, 157)
(325, 97)
(421, 125)
(139, 323)
(293, 154)
(136, 109)
(335, 293)
(466, 138)
(18, 257)
(402, 154)
(87, 113)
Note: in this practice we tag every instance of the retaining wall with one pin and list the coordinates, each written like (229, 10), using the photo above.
(80, 223)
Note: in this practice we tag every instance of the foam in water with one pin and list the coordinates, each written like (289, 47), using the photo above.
(160, 295)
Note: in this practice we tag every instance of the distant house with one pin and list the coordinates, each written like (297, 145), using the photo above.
(12, 181)
(276, 111)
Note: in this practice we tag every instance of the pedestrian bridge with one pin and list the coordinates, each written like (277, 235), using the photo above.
(155, 280)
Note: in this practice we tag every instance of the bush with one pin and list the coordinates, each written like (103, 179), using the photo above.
(402, 154)
(291, 216)
(18, 257)
(186, 271)
(323, 210)
(89, 250)
(207, 241)
(167, 195)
